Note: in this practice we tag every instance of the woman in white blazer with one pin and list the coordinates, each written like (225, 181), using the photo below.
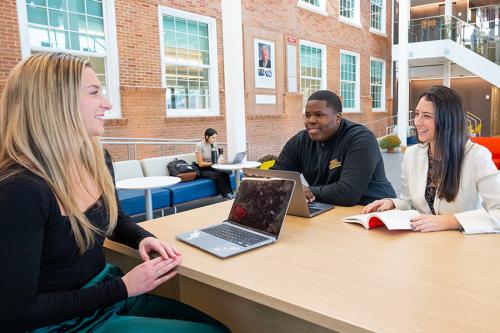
(452, 181)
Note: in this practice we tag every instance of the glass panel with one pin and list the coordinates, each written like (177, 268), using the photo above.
(203, 43)
(203, 29)
(204, 74)
(180, 25)
(192, 27)
(94, 8)
(168, 23)
(75, 40)
(37, 2)
(204, 89)
(193, 101)
(57, 4)
(96, 26)
(182, 56)
(58, 19)
(169, 38)
(77, 6)
(170, 54)
(181, 39)
(59, 39)
(77, 23)
(193, 42)
(194, 58)
(181, 102)
(39, 36)
(97, 44)
(37, 15)
(194, 87)
(205, 58)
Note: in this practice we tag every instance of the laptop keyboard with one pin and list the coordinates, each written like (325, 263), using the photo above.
(313, 210)
(234, 235)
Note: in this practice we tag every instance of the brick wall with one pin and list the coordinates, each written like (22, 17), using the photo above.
(143, 99)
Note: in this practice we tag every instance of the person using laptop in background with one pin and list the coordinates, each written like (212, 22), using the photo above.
(58, 204)
(452, 181)
(340, 160)
(204, 160)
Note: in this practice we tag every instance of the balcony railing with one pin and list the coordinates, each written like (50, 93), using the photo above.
(483, 39)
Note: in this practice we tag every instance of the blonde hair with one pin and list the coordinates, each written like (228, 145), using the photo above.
(42, 131)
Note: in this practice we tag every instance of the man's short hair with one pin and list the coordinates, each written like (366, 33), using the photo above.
(332, 100)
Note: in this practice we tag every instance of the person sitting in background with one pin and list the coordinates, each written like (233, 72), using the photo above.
(58, 203)
(339, 159)
(204, 160)
(446, 176)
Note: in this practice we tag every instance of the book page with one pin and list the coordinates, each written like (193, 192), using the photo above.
(393, 219)
(361, 219)
(396, 219)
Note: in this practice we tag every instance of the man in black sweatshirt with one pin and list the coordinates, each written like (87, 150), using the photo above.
(339, 159)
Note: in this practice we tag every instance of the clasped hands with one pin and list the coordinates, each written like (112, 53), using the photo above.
(423, 223)
(152, 272)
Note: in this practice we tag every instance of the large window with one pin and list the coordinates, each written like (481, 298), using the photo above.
(349, 80)
(318, 6)
(312, 68)
(190, 63)
(377, 84)
(349, 11)
(83, 27)
(377, 15)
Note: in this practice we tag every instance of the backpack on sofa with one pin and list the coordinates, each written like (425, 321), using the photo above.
(181, 169)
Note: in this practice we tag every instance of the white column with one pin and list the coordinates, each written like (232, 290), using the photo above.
(447, 8)
(403, 71)
(232, 36)
(447, 73)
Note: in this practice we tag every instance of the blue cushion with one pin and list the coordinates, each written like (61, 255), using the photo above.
(192, 190)
(132, 201)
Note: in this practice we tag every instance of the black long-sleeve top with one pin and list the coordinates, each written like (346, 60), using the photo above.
(43, 271)
(345, 170)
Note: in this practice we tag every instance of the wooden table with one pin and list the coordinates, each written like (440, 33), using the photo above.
(325, 275)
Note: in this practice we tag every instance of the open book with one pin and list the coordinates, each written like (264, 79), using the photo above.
(394, 219)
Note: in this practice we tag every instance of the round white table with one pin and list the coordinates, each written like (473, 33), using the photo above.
(236, 168)
(147, 184)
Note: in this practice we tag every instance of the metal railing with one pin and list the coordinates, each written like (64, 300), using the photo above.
(164, 146)
(388, 125)
(482, 38)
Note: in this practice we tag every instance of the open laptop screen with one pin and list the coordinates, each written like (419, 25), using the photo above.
(261, 203)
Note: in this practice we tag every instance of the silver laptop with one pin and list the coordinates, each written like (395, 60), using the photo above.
(238, 158)
(299, 205)
(255, 220)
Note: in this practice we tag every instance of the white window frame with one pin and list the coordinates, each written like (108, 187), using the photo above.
(356, 20)
(111, 63)
(321, 9)
(383, 96)
(322, 47)
(382, 19)
(356, 107)
(214, 76)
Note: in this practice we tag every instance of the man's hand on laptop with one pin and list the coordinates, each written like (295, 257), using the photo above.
(309, 195)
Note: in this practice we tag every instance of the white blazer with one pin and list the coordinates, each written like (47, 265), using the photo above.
(477, 205)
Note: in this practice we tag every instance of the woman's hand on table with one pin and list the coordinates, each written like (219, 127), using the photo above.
(151, 244)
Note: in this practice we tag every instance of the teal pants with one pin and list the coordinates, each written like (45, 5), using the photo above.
(144, 313)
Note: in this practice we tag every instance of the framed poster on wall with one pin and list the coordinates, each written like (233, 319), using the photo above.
(264, 64)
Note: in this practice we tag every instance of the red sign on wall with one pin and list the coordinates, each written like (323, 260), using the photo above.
(291, 40)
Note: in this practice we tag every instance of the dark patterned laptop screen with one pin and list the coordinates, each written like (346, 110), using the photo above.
(261, 203)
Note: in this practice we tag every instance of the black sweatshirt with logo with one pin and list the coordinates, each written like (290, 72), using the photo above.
(345, 170)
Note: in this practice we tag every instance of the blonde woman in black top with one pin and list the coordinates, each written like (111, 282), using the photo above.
(57, 205)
